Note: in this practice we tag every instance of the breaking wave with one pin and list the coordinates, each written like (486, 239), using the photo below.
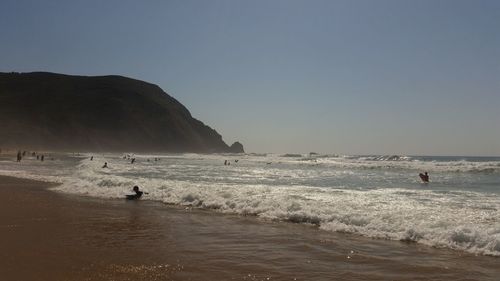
(374, 197)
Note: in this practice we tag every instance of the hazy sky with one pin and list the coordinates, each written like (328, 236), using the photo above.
(353, 77)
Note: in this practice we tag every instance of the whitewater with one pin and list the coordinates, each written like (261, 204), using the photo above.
(374, 196)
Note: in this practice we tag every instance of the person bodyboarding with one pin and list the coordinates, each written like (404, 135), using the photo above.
(137, 195)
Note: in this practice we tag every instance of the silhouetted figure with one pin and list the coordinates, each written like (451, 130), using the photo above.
(19, 156)
(225, 162)
(424, 177)
(137, 194)
(236, 161)
(33, 154)
(91, 158)
(105, 165)
(133, 160)
(38, 157)
(43, 157)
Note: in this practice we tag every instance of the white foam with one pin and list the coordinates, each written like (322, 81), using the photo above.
(458, 219)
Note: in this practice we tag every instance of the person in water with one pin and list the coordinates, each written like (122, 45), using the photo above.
(105, 165)
(424, 177)
(137, 194)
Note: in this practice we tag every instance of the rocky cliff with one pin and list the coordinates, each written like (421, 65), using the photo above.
(42, 110)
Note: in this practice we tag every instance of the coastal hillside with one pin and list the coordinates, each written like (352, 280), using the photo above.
(41, 110)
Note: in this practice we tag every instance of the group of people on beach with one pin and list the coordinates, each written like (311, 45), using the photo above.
(21, 155)
(228, 162)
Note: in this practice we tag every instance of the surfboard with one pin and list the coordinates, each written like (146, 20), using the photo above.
(132, 197)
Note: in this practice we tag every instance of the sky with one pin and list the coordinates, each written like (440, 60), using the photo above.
(285, 76)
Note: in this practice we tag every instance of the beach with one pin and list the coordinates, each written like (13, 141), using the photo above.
(47, 235)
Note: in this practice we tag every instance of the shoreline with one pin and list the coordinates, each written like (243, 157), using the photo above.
(48, 235)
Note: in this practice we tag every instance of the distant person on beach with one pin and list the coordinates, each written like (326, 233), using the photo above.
(133, 160)
(137, 194)
(19, 156)
(105, 165)
(91, 158)
(424, 177)
(42, 158)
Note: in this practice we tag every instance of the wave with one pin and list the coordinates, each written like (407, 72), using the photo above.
(257, 154)
(409, 164)
(386, 158)
(351, 215)
(291, 155)
(35, 177)
(460, 220)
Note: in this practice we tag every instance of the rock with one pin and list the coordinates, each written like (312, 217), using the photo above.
(236, 147)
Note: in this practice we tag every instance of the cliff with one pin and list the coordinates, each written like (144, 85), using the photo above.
(50, 111)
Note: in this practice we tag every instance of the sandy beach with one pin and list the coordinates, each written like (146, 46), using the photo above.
(46, 235)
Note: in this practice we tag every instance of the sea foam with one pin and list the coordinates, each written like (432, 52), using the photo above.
(378, 198)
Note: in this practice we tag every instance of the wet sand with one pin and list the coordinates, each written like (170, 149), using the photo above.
(51, 236)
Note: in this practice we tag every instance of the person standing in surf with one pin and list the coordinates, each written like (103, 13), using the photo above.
(424, 177)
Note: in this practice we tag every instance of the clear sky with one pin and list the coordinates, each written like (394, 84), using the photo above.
(350, 77)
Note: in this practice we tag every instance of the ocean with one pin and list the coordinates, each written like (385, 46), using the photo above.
(379, 197)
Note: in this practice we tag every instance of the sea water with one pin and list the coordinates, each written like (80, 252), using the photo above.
(374, 196)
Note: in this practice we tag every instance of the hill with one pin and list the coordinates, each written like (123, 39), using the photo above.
(41, 110)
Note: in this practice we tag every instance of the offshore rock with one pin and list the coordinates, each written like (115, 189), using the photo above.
(236, 147)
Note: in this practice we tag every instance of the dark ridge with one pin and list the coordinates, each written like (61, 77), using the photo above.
(41, 110)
